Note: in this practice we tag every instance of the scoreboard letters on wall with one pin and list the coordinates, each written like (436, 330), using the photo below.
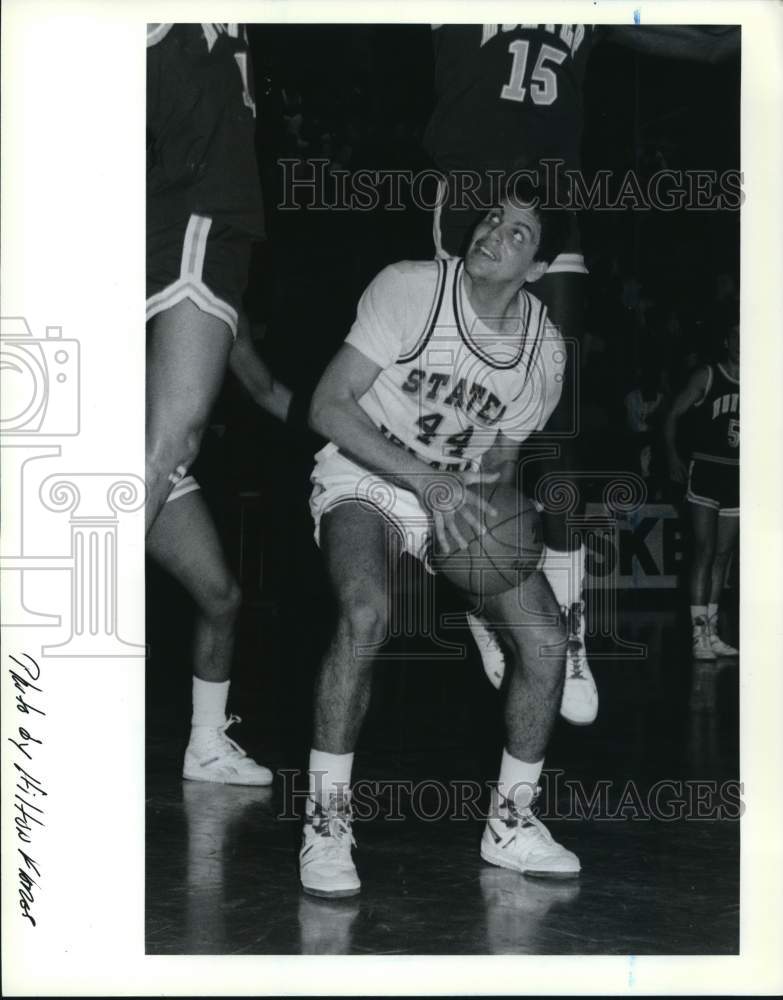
(642, 550)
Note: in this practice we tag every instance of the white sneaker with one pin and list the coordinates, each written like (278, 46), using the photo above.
(491, 654)
(718, 646)
(579, 704)
(212, 756)
(518, 840)
(326, 867)
(702, 646)
(721, 648)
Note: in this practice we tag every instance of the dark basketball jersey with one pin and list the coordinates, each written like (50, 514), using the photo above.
(201, 125)
(716, 419)
(508, 95)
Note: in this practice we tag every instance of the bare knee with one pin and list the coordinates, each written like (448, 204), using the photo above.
(538, 652)
(721, 560)
(173, 445)
(221, 600)
(365, 618)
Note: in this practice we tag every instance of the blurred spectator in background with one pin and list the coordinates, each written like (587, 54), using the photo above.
(645, 407)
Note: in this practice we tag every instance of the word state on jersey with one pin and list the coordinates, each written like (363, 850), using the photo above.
(448, 383)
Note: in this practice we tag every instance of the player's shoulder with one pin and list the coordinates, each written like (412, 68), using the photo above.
(538, 318)
(410, 274)
(699, 384)
(417, 269)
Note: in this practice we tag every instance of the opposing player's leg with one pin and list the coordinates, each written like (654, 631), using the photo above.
(187, 354)
(360, 549)
(184, 542)
(562, 289)
(725, 547)
(704, 526)
(531, 631)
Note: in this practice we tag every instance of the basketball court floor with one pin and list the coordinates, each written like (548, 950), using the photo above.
(648, 798)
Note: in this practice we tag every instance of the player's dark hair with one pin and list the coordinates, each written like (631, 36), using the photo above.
(523, 190)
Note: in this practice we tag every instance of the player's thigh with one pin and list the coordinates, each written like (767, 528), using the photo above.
(727, 534)
(184, 541)
(187, 356)
(704, 524)
(528, 616)
(361, 550)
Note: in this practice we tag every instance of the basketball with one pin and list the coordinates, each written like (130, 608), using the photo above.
(504, 555)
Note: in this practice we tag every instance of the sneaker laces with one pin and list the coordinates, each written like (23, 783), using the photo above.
(222, 743)
(482, 633)
(523, 818)
(516, 815)
(492, 643)
(575, 665)
(575, 657)
(573, 616)
(701, 627)
(334, 822)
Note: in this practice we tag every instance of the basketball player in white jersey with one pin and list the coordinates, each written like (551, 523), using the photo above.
(449, 366)
(509, 97)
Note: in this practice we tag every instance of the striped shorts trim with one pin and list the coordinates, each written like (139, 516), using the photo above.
(187, 484)
(191, 284)
(714, 485)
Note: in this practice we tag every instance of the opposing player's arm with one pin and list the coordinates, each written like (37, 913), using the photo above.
(692, 393)
(245, 362)
(699, 43)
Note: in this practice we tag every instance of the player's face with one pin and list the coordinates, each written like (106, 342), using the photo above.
(504, 245)
(733, 346)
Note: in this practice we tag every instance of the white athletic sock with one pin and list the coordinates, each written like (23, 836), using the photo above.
(328, 772)
(712, 613)
(565, 572)
(209, 703)
(698, 611)
(518, 780)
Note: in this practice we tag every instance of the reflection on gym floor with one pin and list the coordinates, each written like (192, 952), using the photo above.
(222, 873)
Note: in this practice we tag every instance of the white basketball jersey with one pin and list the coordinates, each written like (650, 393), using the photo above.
(449, 384)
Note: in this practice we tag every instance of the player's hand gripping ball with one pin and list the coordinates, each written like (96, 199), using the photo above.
(505, 554)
